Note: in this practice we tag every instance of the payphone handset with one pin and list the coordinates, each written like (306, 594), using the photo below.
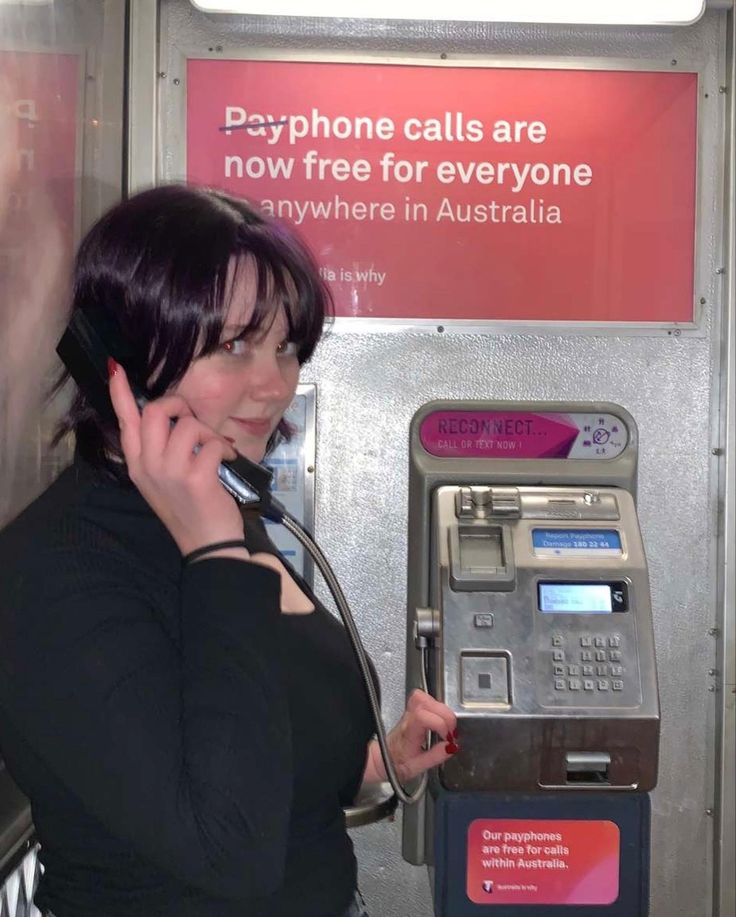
(84, 348)
(529, 615)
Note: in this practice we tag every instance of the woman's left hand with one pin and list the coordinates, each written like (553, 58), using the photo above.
(407, 740)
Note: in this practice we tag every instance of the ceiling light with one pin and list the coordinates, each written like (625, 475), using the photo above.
(608, 12)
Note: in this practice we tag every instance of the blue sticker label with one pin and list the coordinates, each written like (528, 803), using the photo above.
(573, 542)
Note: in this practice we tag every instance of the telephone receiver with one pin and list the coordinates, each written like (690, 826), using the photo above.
(89, 339)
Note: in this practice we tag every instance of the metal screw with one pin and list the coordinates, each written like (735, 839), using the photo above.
(177, 81)
(720, 270)
(677, 332)
(440, 329)
(674, 61)
(712, 689)
(716, 450)
(703, 300)
(161, 75)
(709, 813)
(310, 469)
(218, 48)
(712, 671)
(723, 89)
(443, 56)
(713, 632)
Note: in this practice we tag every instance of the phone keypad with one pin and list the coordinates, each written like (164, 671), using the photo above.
(590, 663)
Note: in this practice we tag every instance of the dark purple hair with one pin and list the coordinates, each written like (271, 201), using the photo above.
(160, 265)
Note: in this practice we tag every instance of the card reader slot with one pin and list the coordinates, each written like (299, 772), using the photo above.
(481, 557)
(480, 550)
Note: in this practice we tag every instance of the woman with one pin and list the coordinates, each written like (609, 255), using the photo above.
(188, 728)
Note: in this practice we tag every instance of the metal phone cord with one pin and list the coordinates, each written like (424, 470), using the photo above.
(315, 552)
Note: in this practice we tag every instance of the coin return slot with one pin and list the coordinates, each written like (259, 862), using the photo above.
(588, 768)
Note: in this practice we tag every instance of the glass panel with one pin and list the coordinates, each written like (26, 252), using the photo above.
(61, 117)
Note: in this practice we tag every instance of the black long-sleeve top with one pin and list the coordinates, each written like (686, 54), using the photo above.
(187, 749)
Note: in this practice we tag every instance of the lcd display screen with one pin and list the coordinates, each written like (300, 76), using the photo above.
(575, 598)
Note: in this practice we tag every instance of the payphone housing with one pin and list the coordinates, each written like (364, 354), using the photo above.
(529, 615)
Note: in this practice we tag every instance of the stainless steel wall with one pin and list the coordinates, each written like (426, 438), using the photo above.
(370, 384)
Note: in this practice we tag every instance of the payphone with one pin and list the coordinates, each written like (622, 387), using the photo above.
(529, 615)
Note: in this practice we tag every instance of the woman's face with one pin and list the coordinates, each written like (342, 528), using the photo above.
(243, 389)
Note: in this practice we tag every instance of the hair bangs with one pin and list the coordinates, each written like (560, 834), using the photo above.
(164, 265)
(286, 276)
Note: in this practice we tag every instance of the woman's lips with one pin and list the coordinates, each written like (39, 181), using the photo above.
(253, 427)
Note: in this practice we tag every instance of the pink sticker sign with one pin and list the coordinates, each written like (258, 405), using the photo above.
(522, 435)
(527, 861)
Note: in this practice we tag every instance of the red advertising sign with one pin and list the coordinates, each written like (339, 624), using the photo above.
(526, 861)
(464, 192)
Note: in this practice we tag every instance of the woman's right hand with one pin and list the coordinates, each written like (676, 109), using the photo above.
(181, 486)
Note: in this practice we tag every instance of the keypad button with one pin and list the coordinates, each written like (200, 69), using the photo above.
(575, 684)
(573, 670)
(558, 669)
(615, 655)
(586, 641)
(615, 641)
(588, 684)
(558, 640)
(600, 656)
(617, 670)
(560, 684)
(559, 655)
(588, 670)
(617, 685)
(586, 656)
(600, 641)
(601, 670)
(602, 684)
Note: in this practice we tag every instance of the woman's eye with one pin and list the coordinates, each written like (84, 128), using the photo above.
(237, 347)
(287, 349)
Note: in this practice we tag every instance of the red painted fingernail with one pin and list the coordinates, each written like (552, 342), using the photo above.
(454, 733)
(451, 748)
(112, 367)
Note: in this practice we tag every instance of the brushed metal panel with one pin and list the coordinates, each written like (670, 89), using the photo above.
(370, 384)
